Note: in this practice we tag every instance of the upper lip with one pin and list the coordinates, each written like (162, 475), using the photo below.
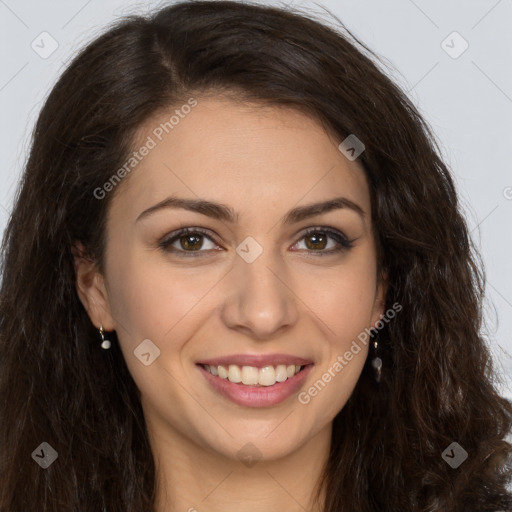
(257, 360)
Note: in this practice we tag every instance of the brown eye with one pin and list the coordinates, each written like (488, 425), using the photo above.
(317, 241)
(187, 241)
(190, 242)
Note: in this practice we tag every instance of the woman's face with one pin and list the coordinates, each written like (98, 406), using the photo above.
(254, 293)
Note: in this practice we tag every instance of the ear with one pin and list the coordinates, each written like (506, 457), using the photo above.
(380, 298)
(91, 290)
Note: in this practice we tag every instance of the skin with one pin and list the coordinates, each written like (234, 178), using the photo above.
(262, 162)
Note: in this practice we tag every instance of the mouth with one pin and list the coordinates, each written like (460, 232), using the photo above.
(256, 386)
(254, 376)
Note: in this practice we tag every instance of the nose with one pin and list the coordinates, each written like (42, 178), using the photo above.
(260, 299)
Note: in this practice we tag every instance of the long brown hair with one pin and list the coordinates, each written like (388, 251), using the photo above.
(57, 386)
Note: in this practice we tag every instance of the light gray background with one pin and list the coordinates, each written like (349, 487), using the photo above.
(467, 100)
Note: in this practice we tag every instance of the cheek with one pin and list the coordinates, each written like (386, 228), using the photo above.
(148, 299)
(343, 297)
(345, 307)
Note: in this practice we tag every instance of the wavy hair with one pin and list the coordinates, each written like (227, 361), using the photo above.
(56, 386)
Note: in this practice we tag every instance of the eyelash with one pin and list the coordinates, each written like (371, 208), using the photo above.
(344, 243)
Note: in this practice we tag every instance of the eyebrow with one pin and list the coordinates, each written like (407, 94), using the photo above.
(225, 213)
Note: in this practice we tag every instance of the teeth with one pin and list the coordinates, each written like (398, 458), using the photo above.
(267, 376)
(234, 373)
(281, 374)
(252, 376)
(223, 373)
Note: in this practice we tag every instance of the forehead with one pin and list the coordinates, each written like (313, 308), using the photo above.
(256, 158)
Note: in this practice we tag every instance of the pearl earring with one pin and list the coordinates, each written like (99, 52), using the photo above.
(376, 363)
(105, 344)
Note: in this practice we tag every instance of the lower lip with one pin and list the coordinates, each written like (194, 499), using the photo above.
(257, 396)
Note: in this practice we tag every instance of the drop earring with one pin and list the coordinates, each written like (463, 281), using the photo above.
(376, 363)
(105, 344)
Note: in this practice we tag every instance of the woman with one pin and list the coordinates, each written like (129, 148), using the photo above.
(237, 277)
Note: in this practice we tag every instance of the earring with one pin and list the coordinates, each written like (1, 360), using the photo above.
(105, 344)
(376, 363)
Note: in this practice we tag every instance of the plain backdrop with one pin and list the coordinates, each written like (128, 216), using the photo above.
(453, 58)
